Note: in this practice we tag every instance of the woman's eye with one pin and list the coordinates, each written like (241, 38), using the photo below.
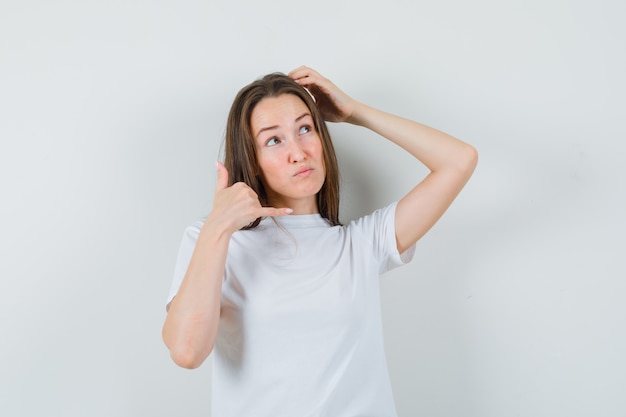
(305, 129)
(272, 141)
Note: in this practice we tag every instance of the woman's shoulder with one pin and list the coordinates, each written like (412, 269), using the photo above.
(378, 216)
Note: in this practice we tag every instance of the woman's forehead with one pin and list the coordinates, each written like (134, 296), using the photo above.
(274, 112)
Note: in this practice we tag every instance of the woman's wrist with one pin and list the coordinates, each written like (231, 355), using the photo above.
(361, 115)
(217, 228)
(356, 116)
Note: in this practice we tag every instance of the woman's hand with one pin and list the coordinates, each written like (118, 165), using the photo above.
(238, 205)
(450, 160)
(333, 103)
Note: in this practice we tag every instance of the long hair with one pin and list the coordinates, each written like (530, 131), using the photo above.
(240, 155)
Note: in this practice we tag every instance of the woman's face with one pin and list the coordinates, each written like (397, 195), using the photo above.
(289, 152)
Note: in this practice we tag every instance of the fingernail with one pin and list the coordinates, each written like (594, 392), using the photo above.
(288, 211)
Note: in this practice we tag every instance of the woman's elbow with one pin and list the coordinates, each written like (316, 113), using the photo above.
(467, 163)
(184, 352)
(184, 361)
(187, 357)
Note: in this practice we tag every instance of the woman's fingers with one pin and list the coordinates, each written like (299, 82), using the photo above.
(238, 205)
(312, 80)
(302, 73)
(222, 176)
(272, 212)
(333, 103)
(250, 209)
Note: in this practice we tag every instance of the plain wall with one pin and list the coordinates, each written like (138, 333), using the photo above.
(111, 117)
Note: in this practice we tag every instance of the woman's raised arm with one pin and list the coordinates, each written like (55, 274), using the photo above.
(451, 162)
(191, 324)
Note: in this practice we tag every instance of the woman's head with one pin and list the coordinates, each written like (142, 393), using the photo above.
(241, 149)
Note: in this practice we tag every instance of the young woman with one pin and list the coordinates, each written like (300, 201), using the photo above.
(286, 297)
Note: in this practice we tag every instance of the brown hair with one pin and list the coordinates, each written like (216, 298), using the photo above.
(240, 154)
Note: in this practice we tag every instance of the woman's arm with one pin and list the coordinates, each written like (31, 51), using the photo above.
(191, 324)
(451, 162)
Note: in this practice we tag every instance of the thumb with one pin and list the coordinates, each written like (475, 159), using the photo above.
(222, 176)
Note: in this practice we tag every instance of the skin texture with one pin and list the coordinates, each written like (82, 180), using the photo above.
(192, 321)
(289, 153)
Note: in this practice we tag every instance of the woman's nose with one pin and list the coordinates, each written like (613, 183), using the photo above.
(296, 152)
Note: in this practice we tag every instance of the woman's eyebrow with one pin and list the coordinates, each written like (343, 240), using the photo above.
(266, 128)
(302, 116)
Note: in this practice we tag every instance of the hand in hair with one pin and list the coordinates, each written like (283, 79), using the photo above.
(238, 205)
(334, 104)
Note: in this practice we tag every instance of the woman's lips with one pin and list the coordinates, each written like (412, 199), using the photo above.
(303, 172)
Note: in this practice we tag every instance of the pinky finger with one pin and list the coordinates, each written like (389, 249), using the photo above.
(271, 211)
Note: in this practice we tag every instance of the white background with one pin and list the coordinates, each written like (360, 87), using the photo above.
(111, 117)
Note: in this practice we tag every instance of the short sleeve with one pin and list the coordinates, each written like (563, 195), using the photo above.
(187, 246)
(379, 229)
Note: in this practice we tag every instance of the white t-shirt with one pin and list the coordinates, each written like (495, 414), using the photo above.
(300, 331)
